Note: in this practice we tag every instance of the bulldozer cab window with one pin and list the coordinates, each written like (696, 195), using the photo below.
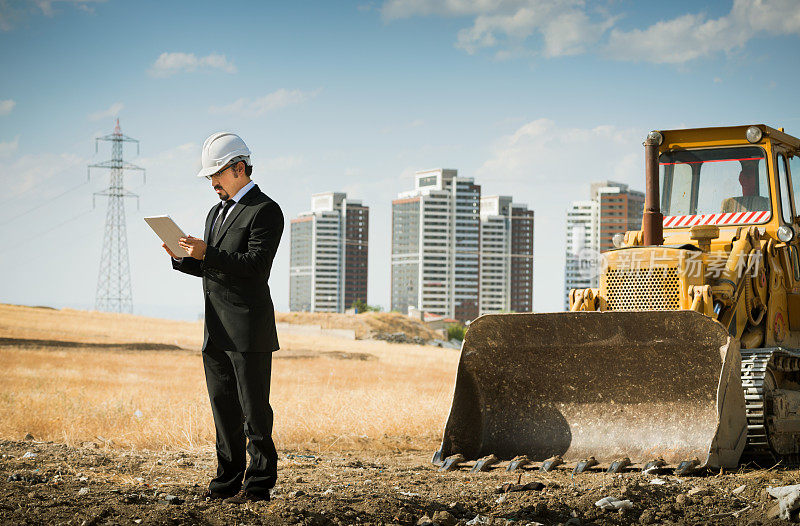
(783, 181)
(714, 181)
(794, 170)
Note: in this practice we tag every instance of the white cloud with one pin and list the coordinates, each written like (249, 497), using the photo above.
(171, 63)
(565, 29)
(565, 26)
(394, 9)
(675, 41)
(780, 17)
(539, 151)
(111, 112)
(555, 28)
(12, 13)
(570, 33)
(692, 36)
(7, 149)
(29, 171)
(6, 106)
(254, 107)
(46, 6)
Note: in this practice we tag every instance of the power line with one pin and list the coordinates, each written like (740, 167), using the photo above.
(40, 234)
(40, 205)
(46, 178)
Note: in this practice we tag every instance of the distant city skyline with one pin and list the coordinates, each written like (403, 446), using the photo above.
(534, 99)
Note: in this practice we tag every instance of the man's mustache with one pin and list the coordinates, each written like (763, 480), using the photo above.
(218, 187)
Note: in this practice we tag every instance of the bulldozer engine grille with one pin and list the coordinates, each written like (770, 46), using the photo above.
(642, 289)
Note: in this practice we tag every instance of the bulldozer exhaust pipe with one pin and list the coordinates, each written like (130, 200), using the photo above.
(652, 220)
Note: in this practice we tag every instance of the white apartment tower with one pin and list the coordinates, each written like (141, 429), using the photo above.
(582, 241)
(328, 260)
(506, 264)
(591, 226)
(436, 245)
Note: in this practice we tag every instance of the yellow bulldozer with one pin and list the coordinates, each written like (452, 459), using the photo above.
(688, 352)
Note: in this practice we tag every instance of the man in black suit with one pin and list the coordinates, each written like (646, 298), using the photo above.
(234, 259)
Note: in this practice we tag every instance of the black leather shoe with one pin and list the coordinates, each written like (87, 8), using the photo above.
(243, 497)
(218, 495)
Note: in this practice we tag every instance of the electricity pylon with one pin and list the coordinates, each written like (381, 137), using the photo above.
(114, 278)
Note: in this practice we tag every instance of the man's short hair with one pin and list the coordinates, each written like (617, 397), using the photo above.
(248, 167)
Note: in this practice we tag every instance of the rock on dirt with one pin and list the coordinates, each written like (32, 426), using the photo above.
(403, 488)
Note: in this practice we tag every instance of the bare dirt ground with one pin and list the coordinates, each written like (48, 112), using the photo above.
(50, 483)
(120, 433)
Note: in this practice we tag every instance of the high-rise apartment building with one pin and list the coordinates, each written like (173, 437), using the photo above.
(506, 263)
(591, 226)
(328, 260)
(436, 245)
(621, 210)
(582, 235)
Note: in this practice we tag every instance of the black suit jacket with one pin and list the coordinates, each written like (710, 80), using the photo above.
(239, 315)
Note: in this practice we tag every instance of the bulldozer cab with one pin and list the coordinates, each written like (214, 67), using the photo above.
(716, 185)
(717, 176)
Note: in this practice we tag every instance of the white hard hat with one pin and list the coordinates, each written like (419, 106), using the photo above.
(219, 149)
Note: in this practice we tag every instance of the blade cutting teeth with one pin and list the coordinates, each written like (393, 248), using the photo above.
(618, 465)
(688, 467)
(583, 465)
(551, 463)
(654, 466)
(517, 462)
(452, 462)
(485, 463)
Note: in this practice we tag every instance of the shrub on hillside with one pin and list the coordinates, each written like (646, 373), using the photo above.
(456, 332)
(361, 306)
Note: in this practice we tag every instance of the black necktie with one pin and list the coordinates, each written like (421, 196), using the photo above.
(221, 219)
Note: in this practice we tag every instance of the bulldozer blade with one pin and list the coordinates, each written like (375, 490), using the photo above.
(583, 465)
(485, 463)
(517, 462)
(608, 384)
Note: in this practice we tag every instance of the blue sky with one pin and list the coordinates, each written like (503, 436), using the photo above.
(532, 98)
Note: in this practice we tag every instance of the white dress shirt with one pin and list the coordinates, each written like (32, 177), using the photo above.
(238, 197)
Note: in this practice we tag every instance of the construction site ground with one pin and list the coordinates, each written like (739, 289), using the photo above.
(104, 420)
(51, 483)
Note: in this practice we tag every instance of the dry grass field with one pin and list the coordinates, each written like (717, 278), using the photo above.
(68, 376)
(363, 324)
(368, 413)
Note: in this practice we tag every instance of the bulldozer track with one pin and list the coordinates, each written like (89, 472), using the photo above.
(755, 364)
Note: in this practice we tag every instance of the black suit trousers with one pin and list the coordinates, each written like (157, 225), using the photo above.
(238, 386)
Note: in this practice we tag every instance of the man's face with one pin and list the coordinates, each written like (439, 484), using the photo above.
(748, 178)
(222, 183)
